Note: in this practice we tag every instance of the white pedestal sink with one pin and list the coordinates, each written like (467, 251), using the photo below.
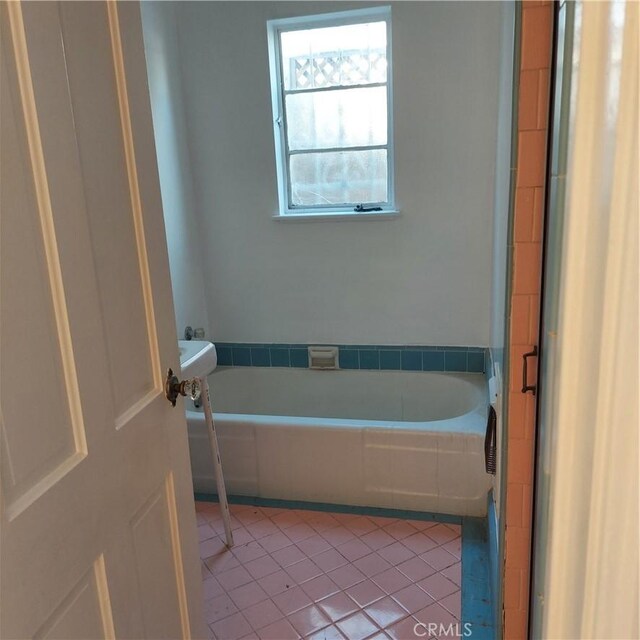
(197, 358)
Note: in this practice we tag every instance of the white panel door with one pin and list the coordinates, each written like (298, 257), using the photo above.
(98, 533)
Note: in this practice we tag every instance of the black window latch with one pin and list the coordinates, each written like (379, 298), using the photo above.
(360, 208)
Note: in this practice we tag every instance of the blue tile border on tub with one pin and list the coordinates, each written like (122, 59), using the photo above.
(411, 360)
(433, 360)
(475, 362)
(280, 357)
(390, 359)
(260, 357)
(369, 358)
(348, 358)
(299, 358)
(357, 356)
(225, 358)
(241, 356)
(455, 361)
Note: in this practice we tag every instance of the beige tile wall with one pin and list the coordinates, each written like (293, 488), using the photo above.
(533, 106)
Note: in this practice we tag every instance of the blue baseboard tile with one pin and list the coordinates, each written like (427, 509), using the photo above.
(477, 607)
(495, 562)
(376, 512)
(479, 632)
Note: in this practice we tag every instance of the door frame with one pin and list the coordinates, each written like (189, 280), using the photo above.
(523, 308)
(590, 586)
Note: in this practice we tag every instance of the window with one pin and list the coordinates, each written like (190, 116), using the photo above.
(331, 95)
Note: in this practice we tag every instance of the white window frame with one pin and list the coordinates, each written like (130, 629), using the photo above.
(274, 28)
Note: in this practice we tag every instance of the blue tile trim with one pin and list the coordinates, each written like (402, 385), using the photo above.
(299, 358)
(379, 512)
(477, 608)
(348, 359)
(411, 360)
(433, 361)
(241, 356)
(280, 357)
(225, 358)
(475, 362)
(495, 562)
(390, 360)
(455, 361)
(369, 359)
(260, 357)
(358, 356)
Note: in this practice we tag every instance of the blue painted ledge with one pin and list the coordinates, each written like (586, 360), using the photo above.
(477, 608)
(495, 562)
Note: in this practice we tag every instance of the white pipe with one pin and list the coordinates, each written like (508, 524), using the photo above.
(217, 464)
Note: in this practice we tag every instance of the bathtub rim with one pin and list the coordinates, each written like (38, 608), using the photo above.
(478, 382)
(474, 421)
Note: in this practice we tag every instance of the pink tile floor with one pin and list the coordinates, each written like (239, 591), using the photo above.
(326, 576)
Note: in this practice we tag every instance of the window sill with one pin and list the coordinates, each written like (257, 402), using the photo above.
(339, 216)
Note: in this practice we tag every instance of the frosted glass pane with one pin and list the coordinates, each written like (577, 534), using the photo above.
(333, 56)
(342, 118)
(341, 177)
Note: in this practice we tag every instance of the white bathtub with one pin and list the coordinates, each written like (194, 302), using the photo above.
(393, 439)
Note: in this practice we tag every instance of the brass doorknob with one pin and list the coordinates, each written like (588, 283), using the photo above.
(174, 387)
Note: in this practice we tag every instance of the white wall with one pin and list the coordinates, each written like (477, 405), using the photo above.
(500, 253)
(424, 278)
(503, 179)
(165, 87)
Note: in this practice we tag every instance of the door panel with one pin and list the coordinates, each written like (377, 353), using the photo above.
(158, 565)
(98, 525)
(113, 201)
(85, 612)
(36, 328)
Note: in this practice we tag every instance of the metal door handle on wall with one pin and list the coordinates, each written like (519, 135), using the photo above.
(490, 442)
(528, 387)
